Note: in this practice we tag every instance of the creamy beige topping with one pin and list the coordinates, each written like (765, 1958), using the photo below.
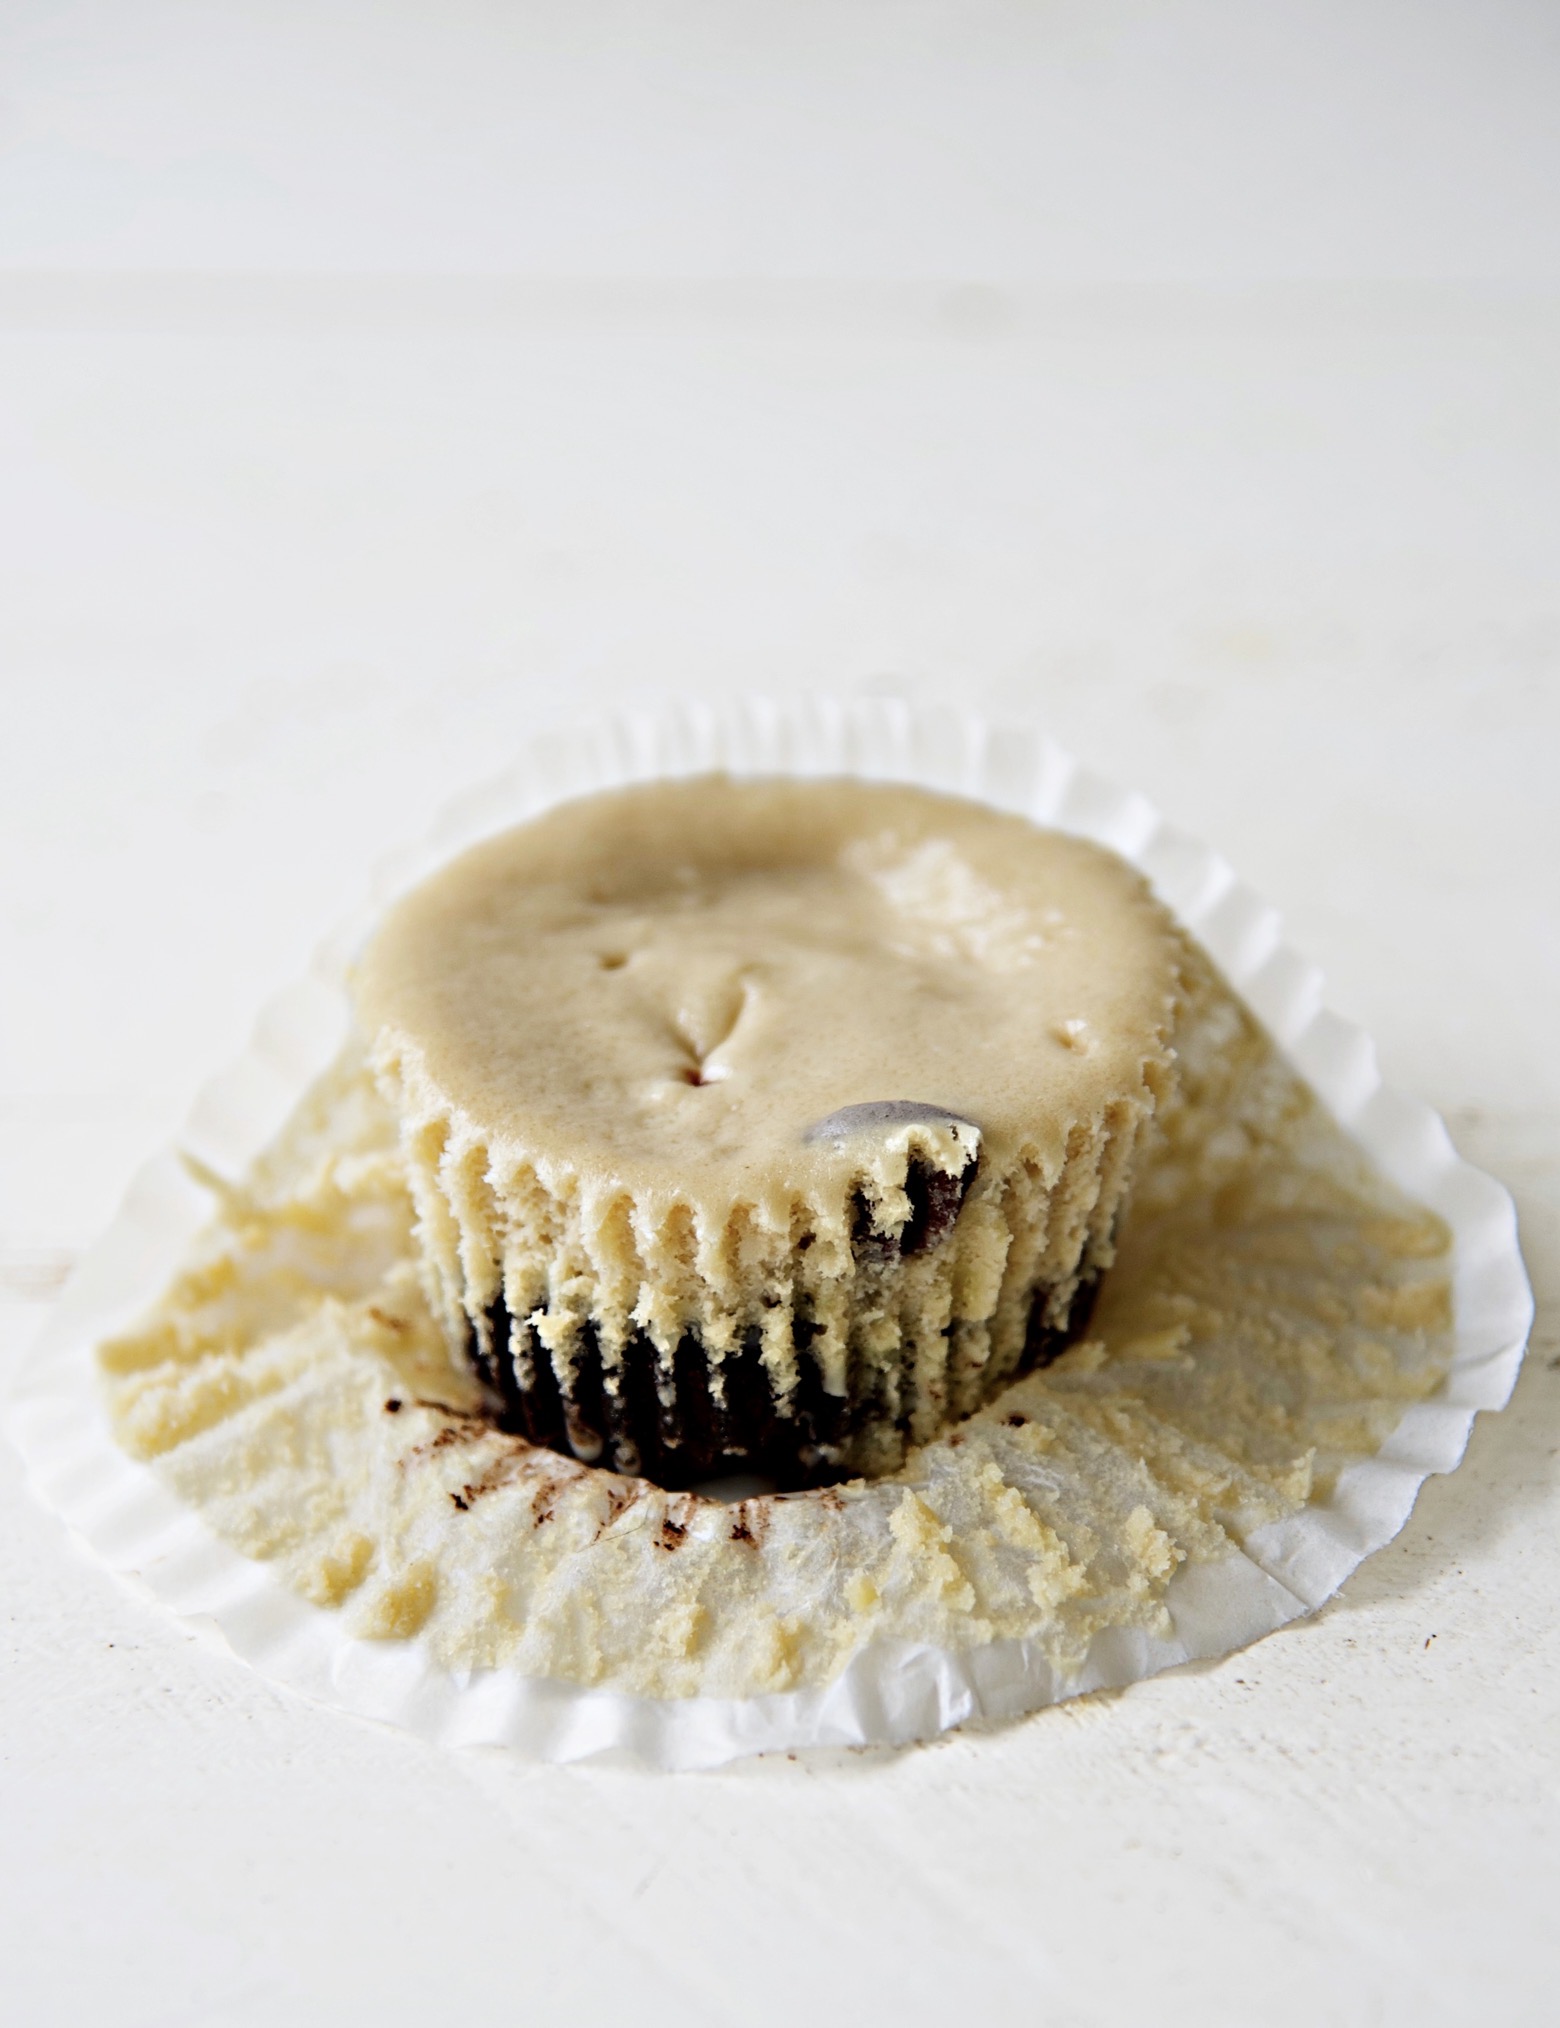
(667, 987)
(652, 1052)
(1274, 1308)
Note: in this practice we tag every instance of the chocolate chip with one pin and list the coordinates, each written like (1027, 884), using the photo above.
(876, 1115)
(936, 1199)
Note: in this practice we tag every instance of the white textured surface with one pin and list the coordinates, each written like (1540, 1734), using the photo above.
(283, 564)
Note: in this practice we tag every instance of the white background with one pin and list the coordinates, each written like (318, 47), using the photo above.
(376, 382)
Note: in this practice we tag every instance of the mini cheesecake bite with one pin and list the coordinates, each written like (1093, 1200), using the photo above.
(767, 1126)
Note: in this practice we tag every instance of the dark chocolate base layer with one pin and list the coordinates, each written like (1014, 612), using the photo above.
(691, 1437)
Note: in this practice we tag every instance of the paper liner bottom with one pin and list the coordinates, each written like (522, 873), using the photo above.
(889, 1694)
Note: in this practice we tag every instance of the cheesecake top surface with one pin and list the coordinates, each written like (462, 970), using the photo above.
(735, 985)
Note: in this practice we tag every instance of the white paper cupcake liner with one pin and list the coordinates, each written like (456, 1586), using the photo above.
(890, 1693)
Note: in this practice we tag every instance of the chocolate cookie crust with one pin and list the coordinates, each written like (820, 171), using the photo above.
(769, 1125)
(682, 1436)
